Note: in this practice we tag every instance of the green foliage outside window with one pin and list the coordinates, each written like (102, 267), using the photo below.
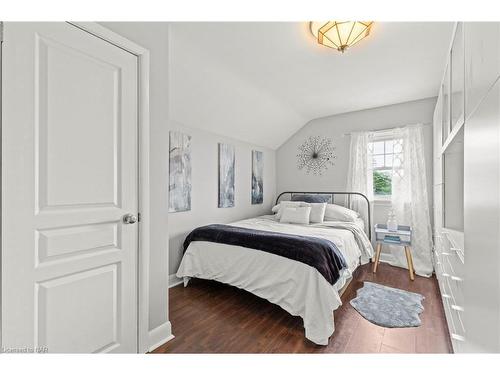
(382, 183)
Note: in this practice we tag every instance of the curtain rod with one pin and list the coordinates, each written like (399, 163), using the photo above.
(386, 129)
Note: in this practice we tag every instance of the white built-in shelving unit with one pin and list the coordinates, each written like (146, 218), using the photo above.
(466, 187)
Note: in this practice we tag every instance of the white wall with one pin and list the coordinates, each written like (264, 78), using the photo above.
(154, 36)
(204, 195)
(335, 179)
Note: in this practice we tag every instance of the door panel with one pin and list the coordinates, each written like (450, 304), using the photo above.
(69, 148)
(62, 310)
(481, 223)
(62, 243)
(65, 123)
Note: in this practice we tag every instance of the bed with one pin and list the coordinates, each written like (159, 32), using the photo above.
(297, 287)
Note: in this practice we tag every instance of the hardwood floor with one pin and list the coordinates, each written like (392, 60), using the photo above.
(209, 317)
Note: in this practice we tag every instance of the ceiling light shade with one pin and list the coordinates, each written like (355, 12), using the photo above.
(340, 34)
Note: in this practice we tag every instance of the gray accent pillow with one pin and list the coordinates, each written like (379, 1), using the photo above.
(312, 198)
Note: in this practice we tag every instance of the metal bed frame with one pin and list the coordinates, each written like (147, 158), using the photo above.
(348, 194)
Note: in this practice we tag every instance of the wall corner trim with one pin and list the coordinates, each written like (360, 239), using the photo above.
(173, 280)
(160, 335)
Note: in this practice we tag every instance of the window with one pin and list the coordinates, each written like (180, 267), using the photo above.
(387, 155)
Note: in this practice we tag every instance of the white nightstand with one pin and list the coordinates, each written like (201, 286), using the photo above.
(401, 237)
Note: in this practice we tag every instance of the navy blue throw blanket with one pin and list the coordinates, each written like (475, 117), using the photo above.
(315, 252)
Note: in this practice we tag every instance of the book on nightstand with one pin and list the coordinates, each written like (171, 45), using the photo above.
(392, 238)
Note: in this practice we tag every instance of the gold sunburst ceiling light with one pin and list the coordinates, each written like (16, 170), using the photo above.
(340, 34)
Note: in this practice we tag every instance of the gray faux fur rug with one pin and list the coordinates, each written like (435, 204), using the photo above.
(388, 307)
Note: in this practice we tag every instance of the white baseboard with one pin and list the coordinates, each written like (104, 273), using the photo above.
(173, 281)
(160, 335)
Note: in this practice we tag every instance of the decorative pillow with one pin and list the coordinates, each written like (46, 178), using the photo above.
(312, 198)
(280, 206)
(296, 215)
(317, 212)
(335, 212)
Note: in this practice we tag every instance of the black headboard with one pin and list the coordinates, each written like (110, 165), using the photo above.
(346, 194)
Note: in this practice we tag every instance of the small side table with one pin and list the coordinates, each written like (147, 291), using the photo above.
(401, 237)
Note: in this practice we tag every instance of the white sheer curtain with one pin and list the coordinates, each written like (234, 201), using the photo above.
(409, 190)
(360, 173)
(410, 201)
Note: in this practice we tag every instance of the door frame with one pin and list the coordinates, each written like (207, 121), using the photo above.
(143, 252)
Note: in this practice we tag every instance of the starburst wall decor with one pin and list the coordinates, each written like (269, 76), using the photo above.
(316, 154)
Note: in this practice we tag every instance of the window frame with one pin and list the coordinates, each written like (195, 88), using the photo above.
(381, 137)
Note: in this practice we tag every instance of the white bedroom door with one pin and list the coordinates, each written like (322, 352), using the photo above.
(69, 180)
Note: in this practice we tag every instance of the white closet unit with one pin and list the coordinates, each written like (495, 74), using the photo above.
(466, 188)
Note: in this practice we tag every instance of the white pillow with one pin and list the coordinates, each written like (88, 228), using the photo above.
(280, 206)
(317, 212)
(335, 212)
(295, 215)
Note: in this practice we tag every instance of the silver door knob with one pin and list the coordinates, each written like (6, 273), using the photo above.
(129, 219)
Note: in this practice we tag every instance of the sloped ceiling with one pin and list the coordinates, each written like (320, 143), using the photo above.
(262, 81)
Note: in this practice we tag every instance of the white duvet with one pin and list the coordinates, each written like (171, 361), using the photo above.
(296, 287)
